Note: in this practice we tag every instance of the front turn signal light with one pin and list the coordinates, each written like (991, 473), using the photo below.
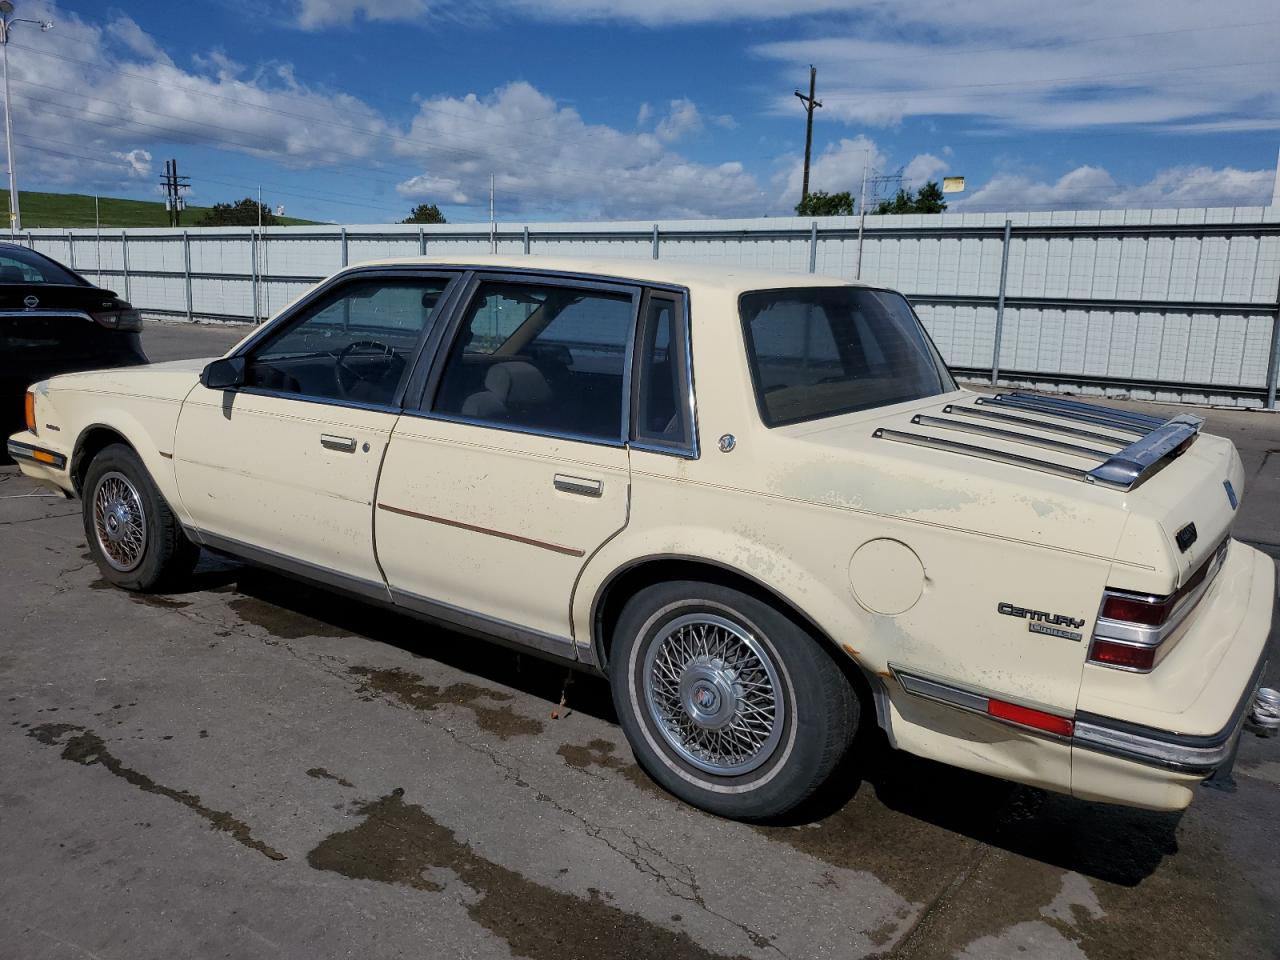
(30, 410)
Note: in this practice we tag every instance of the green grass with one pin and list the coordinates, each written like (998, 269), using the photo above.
(76, 210)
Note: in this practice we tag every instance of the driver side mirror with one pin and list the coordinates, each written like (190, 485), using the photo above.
(224, 374)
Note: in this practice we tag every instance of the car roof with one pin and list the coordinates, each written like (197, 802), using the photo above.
(669, 272)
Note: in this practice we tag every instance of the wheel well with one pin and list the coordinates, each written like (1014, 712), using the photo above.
(626, 584)
(92, 441)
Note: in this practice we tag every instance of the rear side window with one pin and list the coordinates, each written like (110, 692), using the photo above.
(538, 357)
(822, 351)
(26, 266)
(662, 412)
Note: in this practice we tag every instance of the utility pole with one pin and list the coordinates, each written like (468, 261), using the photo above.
(810, 104)
(174, 185)
(7, 20)
(493, 223)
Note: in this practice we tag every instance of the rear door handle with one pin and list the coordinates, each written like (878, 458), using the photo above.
(342, 444)
(583, 486)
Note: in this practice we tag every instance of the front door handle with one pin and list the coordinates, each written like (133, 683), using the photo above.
(583, 486)
(342, 444)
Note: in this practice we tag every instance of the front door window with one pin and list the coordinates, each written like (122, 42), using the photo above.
(356, 345)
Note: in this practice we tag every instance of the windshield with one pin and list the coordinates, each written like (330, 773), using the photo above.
(26, 266)
(820, 351)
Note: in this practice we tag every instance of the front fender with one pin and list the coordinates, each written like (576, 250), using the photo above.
(149, 430)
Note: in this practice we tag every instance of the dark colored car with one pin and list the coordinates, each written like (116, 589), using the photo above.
(52, 320)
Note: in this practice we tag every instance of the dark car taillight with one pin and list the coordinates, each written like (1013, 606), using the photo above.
(1132, 628)
(126, 319)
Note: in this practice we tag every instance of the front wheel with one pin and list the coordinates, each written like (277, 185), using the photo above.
(133, 535)
(727, 702)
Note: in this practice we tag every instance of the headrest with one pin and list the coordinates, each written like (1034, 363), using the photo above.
(517, 383)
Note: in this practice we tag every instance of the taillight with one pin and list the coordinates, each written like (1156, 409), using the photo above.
(128, 319)
(30, 410)
(1133, 629)
(1151, 611)
(1124, 655)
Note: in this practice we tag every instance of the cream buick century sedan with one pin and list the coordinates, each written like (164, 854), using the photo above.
(757, 502)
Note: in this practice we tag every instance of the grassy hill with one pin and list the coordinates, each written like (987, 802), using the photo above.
(76, 210)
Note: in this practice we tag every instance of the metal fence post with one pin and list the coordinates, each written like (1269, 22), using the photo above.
(862, 222)
(1004, 276)
(526, 240)
(1273, 359)
(422, 241)
(253, 271)
(344, 246)
(71, 249)
(124, 260)
(813, 247)
(186, 269)
(655, 241)
(31, 241)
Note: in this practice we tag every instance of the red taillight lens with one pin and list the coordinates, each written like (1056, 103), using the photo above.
(1150, 613)
(1028, 717)
(1123, 655)
(126, 319)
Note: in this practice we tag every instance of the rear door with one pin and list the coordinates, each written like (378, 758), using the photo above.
(284, 468)
(515, 468)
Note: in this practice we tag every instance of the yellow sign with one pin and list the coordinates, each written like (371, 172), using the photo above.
(953, 184)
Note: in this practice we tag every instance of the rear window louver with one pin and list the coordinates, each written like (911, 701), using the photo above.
(1128, 447)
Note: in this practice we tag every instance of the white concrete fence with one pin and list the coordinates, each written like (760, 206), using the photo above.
(1177, 305)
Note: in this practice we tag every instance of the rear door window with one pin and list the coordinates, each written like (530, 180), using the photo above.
(540, 357)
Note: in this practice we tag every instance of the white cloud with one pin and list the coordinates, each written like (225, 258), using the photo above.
(835, 169)
(85, 97)
(923, 168)
(644, 114)
(682, 118)
(1043, 66)
(566, 166)
(1090, 187)
(139, 162)
(313, 14)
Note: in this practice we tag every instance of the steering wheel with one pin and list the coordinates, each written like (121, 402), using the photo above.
(380, 359)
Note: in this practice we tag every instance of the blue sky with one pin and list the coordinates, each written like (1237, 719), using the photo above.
(354, 110)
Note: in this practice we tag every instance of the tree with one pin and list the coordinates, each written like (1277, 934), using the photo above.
(928, 200)
(820, 204)
(242, 213)
(425, 213)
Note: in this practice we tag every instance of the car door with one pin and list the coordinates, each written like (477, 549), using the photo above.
(515, 469)
(283, 468)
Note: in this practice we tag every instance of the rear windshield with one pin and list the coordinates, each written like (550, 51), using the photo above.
(27, 266)
(820, 351)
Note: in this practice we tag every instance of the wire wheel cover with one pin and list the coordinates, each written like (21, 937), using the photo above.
(119, 522)
(714, 695)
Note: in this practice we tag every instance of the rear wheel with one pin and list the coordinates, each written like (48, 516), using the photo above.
(133, 535)
(727, 702)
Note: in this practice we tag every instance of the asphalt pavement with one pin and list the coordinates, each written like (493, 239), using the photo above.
(254, 768)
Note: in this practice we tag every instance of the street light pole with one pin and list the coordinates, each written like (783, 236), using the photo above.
(7, 20)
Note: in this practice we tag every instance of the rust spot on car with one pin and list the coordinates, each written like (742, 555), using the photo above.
(848, 648)
(599, 753)
(88, 749)
(409, 689)
(400, 843)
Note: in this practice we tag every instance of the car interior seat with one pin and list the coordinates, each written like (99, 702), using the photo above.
(511, 389)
